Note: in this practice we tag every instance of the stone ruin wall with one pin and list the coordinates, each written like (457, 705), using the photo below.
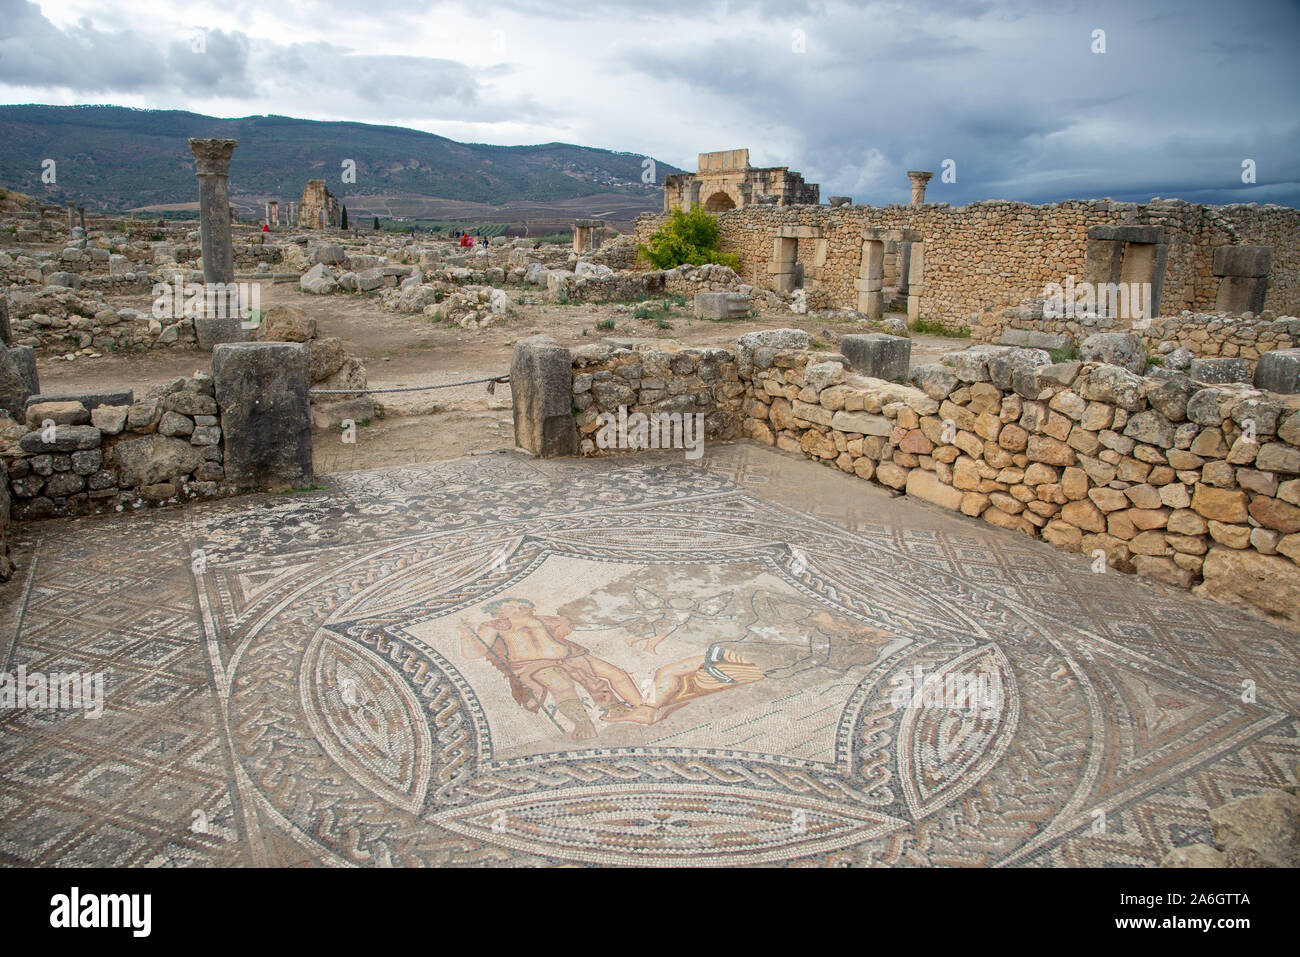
(109, 451)
(1207, 335)
(317, 199)
(1160, 474)
(991, 255)
(1160, 477)
(645, 378)
(245, 427)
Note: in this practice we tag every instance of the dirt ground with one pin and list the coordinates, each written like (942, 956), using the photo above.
(404, 350)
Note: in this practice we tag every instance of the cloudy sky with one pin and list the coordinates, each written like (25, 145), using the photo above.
(852, 94)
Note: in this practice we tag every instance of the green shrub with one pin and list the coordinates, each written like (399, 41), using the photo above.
(687, 238)
(605, 324)
(1067, 354)
(663, 323)
(643, 313)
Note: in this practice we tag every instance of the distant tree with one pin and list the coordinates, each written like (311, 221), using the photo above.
(343, 220)
(376, 224)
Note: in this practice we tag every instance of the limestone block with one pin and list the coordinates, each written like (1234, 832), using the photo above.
(1238, 294)
(1279, 371)
(91, 400)
(261, 390)
(1034, 339)
(878, 355)
(18, 380)
(721, 305)
(1219, 370)
(1122, 349)
(1244, 261)
(151, 459)
(541, 382)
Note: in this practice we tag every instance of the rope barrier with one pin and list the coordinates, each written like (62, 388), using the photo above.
(490, 380)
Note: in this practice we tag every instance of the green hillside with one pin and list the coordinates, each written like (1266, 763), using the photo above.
(114, 158)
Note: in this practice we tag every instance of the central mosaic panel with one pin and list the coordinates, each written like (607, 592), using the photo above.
(709, 679)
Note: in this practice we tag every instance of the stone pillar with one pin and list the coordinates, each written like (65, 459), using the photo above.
(261, 390)
(1243, 277)
(18, 380)
(212, 164)
(919, 179)
(275, 212)
(81, 215)
(871, 276)
(915, 280)
(72, 220)
(541, 382)
(781, 269)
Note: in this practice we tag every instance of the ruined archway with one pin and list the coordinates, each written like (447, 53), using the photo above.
(719, 202)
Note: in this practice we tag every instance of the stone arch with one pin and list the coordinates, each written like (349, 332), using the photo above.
(719, 202)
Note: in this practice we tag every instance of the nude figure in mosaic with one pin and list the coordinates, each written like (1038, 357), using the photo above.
(535, 655)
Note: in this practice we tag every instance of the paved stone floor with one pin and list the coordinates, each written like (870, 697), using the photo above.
(500, 661)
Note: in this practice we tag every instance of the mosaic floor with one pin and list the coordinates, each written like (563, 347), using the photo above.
(745, 660)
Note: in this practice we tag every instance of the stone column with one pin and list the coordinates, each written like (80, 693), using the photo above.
(72, 221)
(81, 215)
(275, 212)
(915, 280)
(919, 179)
(541, 383)
(261, 390)
(212, 164)
(870, 281)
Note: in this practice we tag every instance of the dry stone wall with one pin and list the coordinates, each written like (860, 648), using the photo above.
(1193, 485)
(991, 255)
(647, 378)
(88, 453)
(1208, 335)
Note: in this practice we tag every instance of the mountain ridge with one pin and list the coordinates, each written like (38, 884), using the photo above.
(114, 158)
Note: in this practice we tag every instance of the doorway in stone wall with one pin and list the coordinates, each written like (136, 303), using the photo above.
(719, 202)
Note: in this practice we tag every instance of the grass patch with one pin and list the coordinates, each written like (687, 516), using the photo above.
(305, 488)
(1066, 354)
(605, 324)
(932, 327)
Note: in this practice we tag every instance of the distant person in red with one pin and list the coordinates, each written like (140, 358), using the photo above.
(465, 240)
(266, 227)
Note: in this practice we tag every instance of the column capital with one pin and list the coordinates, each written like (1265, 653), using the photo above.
(212, 157)
(919, 178)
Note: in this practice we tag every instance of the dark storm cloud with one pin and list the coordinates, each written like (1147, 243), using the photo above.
(1007, 89)
(1016, 97)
